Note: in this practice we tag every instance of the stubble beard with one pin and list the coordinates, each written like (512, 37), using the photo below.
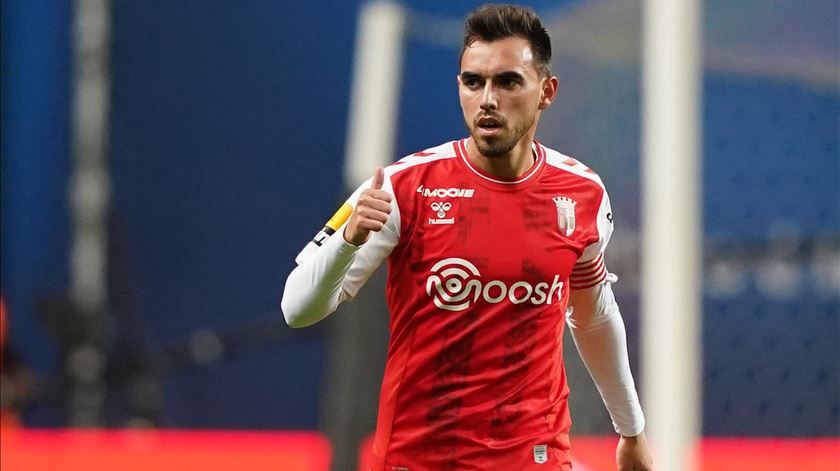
(499, 146)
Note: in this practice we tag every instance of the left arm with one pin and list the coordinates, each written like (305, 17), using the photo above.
(598, 331)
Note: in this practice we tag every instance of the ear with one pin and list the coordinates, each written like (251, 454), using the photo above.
(549, 92)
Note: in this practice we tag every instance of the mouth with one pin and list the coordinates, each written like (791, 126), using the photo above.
(489, 125)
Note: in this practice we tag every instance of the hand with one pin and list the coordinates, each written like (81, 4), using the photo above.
(632, 454)
(371, 211)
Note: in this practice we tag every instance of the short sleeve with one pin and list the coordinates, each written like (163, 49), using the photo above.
(590, 269)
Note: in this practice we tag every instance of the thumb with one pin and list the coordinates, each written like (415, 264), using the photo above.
(378, 179)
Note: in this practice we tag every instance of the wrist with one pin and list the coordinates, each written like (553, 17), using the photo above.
(637, 437)
(350, 238)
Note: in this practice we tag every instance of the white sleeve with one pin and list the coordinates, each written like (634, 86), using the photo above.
(330, 270)
(598, 331)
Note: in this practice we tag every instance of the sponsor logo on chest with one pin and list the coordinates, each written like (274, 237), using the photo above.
(445, 192)
(455, 283)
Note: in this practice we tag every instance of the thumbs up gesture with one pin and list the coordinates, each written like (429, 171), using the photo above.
(371, 211)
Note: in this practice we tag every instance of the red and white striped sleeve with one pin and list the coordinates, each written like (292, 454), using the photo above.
(590, 269)
(588, 274)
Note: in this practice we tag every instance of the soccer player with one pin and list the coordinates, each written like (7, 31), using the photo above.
(493, 243)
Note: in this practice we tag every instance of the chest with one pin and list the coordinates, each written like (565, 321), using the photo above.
(512, 236)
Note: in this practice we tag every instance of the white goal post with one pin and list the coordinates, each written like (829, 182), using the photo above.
(671, 235)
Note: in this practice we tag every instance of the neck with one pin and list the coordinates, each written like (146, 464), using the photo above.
(514, 164)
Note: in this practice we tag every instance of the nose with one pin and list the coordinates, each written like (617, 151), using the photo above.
(490, 99)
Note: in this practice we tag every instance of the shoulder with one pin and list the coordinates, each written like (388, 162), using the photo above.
(426, 158)
(573, 168)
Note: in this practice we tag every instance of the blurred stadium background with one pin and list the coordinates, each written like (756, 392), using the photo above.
(224, 153)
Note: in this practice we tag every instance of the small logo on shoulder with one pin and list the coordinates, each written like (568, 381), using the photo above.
(565, 214)
(540, 454)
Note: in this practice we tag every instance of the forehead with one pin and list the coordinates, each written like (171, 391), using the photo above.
(488, 58)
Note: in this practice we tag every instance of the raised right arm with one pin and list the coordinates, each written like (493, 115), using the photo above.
(342, 257)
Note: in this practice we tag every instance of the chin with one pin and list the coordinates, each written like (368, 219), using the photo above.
(493, 152)
(493, 148)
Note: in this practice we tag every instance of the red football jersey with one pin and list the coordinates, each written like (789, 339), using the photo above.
(479, 272)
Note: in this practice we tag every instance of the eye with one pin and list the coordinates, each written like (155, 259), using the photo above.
(471, 83)
(508, 83)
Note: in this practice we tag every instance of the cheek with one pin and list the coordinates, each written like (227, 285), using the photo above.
(528, 102)
(468, 104)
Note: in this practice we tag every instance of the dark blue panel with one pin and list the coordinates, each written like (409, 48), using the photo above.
(35, 148)
(227, 140)
(265, 389)
(772, 165)
(430, 113)
(770, 366)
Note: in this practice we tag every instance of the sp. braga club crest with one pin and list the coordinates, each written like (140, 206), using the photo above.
(565, 214)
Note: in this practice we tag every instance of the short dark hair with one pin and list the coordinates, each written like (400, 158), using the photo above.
(493, 22)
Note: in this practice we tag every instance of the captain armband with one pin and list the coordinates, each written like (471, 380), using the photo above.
(336, 221)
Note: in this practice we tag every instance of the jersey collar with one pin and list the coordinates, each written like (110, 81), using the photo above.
(502, 182)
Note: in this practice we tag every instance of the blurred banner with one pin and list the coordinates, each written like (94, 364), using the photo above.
(133, 450)
(97, 450)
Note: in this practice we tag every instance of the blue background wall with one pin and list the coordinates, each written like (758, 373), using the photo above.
(34, 140)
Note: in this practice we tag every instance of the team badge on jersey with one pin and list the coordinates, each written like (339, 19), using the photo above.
(540, 454)
(565, 214)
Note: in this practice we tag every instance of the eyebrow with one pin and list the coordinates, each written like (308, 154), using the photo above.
(502, 75)
(510, 75)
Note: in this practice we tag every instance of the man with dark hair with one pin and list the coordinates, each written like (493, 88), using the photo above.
(493, 243)
(493, 22)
